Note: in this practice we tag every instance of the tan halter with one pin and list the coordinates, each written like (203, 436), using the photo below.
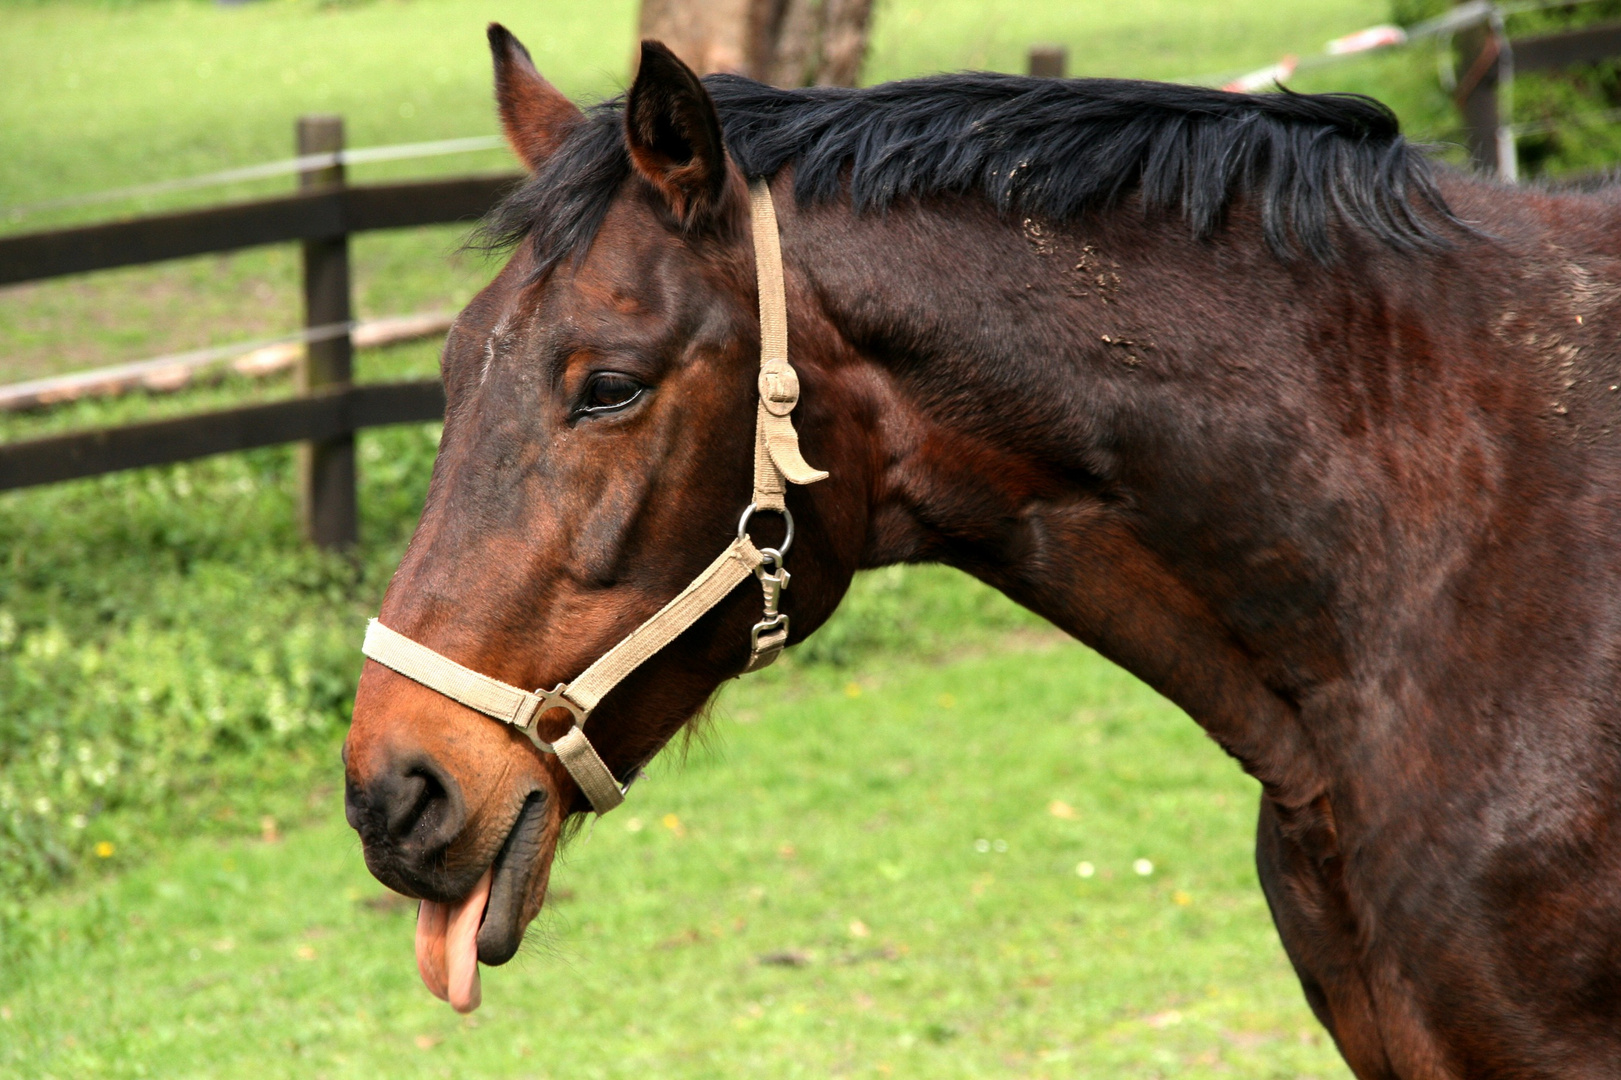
(777, 462)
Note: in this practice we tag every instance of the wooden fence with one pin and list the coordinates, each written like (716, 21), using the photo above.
(1490, 60)
(329, 408)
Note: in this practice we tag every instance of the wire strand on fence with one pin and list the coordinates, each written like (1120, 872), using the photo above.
(305, 163)
(264, 356)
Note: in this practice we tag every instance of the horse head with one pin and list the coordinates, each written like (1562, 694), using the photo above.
(598, 449)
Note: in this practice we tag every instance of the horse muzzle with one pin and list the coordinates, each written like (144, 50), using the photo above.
(419, 839)
(410, 813)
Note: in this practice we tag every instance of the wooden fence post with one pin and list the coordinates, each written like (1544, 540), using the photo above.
(1048, 61)
(326, 469)
(1477, 95)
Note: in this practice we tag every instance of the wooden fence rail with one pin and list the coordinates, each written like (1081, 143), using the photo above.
(308, 215)
(329, 409)
(319, 416)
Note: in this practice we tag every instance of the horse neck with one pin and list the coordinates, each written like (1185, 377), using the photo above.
(1258, 485)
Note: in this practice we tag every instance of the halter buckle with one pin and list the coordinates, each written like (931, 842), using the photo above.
(779, 387)
(545, 701)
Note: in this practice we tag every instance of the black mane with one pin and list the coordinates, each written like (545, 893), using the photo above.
(1048, 148)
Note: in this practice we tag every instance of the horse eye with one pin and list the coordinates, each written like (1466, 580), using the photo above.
(610, 391)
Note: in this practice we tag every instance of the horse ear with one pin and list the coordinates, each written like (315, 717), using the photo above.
(673, 133)
(534, 114)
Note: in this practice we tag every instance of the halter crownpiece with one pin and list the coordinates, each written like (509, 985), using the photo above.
(777, 462)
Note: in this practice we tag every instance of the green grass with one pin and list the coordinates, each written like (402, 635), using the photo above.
(171, 655)
(109, 95)
(893, 833)
(1152, 39)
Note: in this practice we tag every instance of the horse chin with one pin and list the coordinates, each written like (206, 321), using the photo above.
(519, 873)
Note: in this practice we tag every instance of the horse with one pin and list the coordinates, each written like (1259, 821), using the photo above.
(1312, 434)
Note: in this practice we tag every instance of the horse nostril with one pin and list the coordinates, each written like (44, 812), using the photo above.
(420, 800)
(414, 803)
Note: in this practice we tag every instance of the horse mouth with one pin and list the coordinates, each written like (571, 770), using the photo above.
(513, 873)
(485, 926)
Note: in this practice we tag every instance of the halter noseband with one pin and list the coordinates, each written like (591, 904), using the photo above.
(777, 462)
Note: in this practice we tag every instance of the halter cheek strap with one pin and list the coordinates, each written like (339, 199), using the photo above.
(777, 463)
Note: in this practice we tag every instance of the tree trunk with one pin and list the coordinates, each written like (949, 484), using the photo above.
(786, 42)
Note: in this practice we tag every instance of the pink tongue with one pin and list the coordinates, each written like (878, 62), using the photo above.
(447, 946)
(432, 919)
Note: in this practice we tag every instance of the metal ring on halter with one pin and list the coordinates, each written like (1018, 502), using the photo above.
(787, 541)
(550, 701)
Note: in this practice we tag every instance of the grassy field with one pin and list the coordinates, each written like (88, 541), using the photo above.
(769, 908)
(126, 93)
(869, 865)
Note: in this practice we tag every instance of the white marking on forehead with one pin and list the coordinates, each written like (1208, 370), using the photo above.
(497, 333)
